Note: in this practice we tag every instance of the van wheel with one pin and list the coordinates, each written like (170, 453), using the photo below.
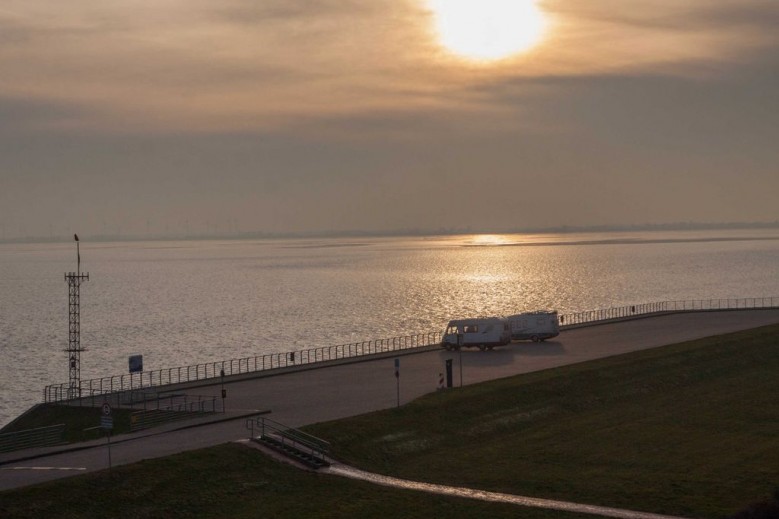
(534, 338)
(448, 346)
(482, 347)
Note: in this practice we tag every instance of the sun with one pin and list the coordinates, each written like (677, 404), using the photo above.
(487, 30)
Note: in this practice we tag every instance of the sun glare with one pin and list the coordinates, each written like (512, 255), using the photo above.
(487, 30)
(489, 239)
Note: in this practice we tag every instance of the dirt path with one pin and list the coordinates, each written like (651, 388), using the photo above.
(495, 497)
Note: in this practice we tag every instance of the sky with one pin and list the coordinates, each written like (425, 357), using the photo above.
(300, 116)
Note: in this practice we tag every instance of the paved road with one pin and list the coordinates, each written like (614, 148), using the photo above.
(316, 395)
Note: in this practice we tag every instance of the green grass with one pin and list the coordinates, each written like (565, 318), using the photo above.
(689, 430)
(233, 481)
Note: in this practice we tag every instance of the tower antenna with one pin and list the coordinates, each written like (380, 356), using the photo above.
(74, 350)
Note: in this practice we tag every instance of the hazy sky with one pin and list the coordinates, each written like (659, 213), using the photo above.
(313, 115)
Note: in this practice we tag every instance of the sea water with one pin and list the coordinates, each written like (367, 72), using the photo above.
(186, 302)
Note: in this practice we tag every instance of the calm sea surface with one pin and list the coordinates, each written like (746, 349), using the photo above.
(187, 302)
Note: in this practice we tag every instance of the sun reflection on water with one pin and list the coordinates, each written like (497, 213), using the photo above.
(488, 240)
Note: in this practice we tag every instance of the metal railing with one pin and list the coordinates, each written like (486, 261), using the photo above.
(262, 427)
(161, 409)
(694, 305)
(260, 363)
(39, 437)
(212, 370)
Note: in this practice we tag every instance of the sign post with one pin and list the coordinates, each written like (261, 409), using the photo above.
(107, 423)
(460, 350)
(397, 378)
(224, 391)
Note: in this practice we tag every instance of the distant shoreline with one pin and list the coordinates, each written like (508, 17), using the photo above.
(418, 233)
(624, 241)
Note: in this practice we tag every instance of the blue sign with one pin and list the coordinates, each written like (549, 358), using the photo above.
(136, 363)
(106, 422)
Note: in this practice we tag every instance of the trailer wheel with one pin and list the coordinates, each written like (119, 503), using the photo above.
(534, 338)
(482, 347)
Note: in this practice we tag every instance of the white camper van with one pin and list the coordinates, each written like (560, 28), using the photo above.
(536, 326)
(484, 333)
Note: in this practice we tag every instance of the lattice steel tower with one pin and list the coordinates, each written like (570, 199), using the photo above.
(74, 350)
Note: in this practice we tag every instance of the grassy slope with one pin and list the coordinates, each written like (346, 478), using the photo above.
(232, 481)
(688, 429)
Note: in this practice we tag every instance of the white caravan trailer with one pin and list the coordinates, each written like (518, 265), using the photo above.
(484, 333)
(536, 326)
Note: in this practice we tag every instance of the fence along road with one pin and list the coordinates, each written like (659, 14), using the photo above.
(266, 363)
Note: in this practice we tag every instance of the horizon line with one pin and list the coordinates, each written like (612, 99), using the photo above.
(244, 235)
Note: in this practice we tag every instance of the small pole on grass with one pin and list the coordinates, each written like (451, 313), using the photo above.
(108, 440)
(397, 378)
(460, 351)
(224, 391)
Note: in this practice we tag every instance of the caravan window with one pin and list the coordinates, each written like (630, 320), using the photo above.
(471, 329)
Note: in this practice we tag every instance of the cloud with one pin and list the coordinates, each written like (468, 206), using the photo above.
(662, 36)
(21, 115)
(759, 15)
(293, 13)
(192, 65)
(237, 65)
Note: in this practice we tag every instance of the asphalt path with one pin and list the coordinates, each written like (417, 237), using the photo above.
(327, 393)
